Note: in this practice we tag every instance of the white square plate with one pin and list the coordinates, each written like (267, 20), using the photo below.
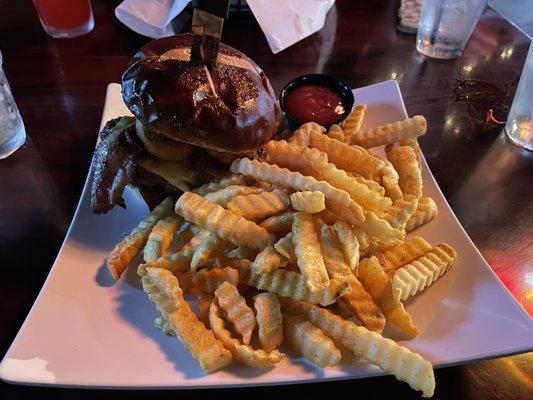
(84, 330)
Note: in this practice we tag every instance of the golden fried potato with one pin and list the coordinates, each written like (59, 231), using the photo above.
(309, 202)
(207, 280)
(379, 285)
(307, 250)
(337, 201)
(311, 342)
(237, 311)
(244, 354)
(349, 158)
(127, 249)
(405, 365)
(419, 274)
(278, 225)
(425, 212)
(390, 133)
(160, 237)
(401, 211)
(285, 247)
(335, 132)
(352, 124)
(269, 321)
(409, 251)
(301, 136)
(223, 196)
(163, 289)
(403, 158)
(256, 207)
(347, 236)
(267, 260)
(290, 284)
(231, 180)
(390, 181)
(222, 222)
(209, 248)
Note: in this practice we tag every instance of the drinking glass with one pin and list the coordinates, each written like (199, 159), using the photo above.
(519, 126)
(65, 18)
(12, 132)
(446, 25)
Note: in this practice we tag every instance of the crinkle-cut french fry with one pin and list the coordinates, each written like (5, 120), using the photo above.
(327, 216)
(400, 211)
(403, 158)
(379, 285)
(243, 353)
(256, 207)
(349, 242)
(335, 132)
(314, 163)
(396, 257)
(163, 289)
(349, 158)
(310, 341)
(223, 196)
(160, 237)
(337, 201)
(390, 133)
(243, 252)
(206, 250)
(290, 284)
(269, 321)
(390, 181)
(357, 301)
(309, 202)
(372, 185)
(308, 254)
(175, 263)
(381, 230)
(164, 325)
(419, 274)
(278, 225)
(404, 364)
(425, 212)
(204, 301)
(268, 260)
(301, 136)
(236, 310)
(413, 143)
(127, 249)
(207, 280)
(336, 265)
(285, 247)
(352, 124)
(231, 180)
(222, 222)
(197, 239)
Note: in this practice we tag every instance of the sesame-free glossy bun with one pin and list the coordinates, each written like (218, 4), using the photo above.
(233, 110)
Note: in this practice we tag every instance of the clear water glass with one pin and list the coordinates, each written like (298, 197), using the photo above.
(446, 25)
(519, 126)
(12, 132)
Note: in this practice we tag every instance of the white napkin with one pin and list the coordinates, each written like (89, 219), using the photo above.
(284, 22)
(150, 18)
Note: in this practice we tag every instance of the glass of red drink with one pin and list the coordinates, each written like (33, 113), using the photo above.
(65, 18)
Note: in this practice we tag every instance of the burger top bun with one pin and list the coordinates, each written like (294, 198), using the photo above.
(231, 110)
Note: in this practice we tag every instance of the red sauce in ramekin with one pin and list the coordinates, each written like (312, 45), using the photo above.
(313, 103)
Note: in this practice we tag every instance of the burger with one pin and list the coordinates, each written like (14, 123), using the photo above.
(190, 121)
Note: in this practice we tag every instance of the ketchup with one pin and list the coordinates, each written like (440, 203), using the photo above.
(313, 103)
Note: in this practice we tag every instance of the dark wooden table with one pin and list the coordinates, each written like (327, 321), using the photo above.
(59, 86)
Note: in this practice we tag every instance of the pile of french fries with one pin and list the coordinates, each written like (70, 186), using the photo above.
(306, 248)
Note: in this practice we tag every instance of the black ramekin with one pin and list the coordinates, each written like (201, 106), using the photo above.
(335, 84)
